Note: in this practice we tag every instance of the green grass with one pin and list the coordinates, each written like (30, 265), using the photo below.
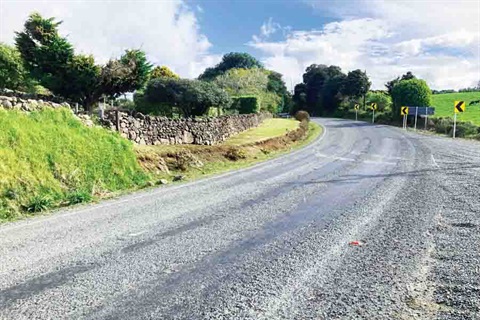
(270, 128)
(49, 159)
(443, 104)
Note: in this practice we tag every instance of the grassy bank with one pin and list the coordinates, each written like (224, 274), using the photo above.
(193, 162)
(50, 159)
(443, 104)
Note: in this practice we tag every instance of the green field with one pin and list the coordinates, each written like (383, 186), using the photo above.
(270, 128)
(443, 104)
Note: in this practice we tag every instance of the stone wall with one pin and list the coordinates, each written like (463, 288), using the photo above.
(25, 102)
(151, 130)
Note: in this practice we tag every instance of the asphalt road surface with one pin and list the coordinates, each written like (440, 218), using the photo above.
(269, 242)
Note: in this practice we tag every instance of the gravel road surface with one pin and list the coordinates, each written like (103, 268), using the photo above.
(368, 222)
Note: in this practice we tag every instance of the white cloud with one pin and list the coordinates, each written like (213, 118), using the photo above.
(436, 40)
(167, 31)
(269, 28)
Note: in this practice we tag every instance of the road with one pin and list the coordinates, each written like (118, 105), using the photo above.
(269, 242)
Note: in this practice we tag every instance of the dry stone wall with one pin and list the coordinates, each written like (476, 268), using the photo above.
(25, 102)
(151, 130)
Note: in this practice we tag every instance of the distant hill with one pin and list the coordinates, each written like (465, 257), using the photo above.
(443, 104)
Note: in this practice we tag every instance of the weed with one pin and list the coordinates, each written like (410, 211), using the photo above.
(38, 203)
(78, 197)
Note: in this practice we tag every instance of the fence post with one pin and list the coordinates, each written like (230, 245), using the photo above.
(117, 118)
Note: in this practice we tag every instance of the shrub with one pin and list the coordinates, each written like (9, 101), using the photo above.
(465, 129)
(38, 203)
(246, 104)
(302, 116)
(235, 154)
(78, 197)
(443, 125)
(413, 92)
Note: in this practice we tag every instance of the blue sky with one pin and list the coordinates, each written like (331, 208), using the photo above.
(438, 40)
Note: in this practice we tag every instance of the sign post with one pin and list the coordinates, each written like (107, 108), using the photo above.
(356, 107)
(404, 113)
(458, 107)
(374, 107)
(416, 116)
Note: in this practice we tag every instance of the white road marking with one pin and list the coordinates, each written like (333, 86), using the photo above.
(137, 234)
(434, 161)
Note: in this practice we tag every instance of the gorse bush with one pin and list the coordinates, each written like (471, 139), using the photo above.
(47, 156)
(302, 116)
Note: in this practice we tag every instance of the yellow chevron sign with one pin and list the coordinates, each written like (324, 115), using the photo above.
(373, 106)
(459, 106)
(404, 111)
(357, 106)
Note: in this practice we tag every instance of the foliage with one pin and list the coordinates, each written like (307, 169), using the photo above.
(243, 81)
(12, 72)
(78, 196)
(320, 92)
(356, 84)
(392, 83)
(38, 203)
(51, 60)
(382, 99)
(233, 60)
(246, 104)
(188, 97)
(413, 92)
(163, 71)
(250, 82)
(49, 155)
(302, 116)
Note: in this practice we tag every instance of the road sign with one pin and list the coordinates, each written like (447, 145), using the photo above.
(373, 106)
(459, 106)
(357, 106)
(404, 111)
(422, 111)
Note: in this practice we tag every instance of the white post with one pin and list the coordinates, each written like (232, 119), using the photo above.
(373, 116)
(405, 122)
(454, 124)
(416, 115)
(76, 108)
(356, 115)
(426, 119)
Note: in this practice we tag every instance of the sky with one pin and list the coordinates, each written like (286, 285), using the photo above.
(438, 40)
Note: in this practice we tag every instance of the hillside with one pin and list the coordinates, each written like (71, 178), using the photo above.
(49, 158)
(443, 104)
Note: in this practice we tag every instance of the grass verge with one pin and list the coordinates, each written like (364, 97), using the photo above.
(50, 159)
(269, 128)
(193, 162)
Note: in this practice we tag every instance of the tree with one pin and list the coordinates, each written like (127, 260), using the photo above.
(356, 84)
(322, 89)
(250, 82)
(12, 72)
(382, 99)
(163, 71)
(189, 97)
(390, 84)
(233, 60)
(413, 92)
(299, 98)
(51, 60)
